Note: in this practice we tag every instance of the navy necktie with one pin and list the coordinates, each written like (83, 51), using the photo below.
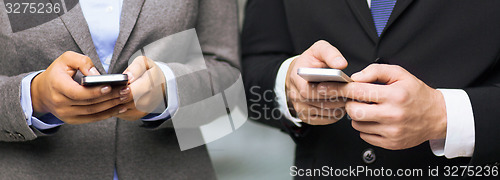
(381, 11)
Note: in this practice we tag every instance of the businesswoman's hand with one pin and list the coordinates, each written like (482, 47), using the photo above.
(402, 113)
(54, 91)
(309, 105)
(147, 84)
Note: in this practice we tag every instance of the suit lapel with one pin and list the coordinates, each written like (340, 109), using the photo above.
(399, 8)
(77, 26)
(362, 12)
(130, 13)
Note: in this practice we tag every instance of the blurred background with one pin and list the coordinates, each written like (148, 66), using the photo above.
(254, 151)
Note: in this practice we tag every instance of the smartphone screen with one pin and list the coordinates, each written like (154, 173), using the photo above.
(107, 79)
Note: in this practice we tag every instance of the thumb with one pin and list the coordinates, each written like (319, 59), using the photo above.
(379, 73)
(331, 56)
(80, 62)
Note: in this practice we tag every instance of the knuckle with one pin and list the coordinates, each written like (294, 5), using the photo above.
(400, 95)
(84, 60)
(395, 134)
(373, 66)
(96, 93)
(397, 67)
(67, 54)
(397, 115)
(320, 43)
(57, 100)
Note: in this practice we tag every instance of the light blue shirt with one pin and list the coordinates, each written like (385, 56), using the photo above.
(103, 19)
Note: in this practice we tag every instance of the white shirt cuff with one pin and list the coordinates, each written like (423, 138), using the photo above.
(279, 90)
(460, 131)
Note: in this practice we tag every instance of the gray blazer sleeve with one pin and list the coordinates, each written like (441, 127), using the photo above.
(217, 30)
(13, 126)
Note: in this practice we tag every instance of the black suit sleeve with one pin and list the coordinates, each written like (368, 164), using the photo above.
(266, 43)
(485, 100)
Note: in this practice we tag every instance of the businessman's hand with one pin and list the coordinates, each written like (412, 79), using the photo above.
(54, 91)
(308, 105)
(403, 113)
(147, 84)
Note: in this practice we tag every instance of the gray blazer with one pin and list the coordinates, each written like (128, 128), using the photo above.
(93, 151)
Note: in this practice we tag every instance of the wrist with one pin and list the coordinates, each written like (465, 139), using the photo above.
(289, 75)
(35, 101)
(440, 124)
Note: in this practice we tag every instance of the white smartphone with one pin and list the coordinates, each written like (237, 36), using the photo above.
(323, 74)
(107, 79)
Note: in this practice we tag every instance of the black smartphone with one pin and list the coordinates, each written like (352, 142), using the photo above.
(106, 79)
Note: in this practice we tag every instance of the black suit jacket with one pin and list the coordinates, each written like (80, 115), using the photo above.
(445, 43)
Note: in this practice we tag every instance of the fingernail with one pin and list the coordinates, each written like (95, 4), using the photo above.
(105, 89)
(123, 98)
(125, 91)
(130, 76)
(122, 110)
(93, 71)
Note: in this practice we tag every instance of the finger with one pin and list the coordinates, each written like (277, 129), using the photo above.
(358, 91)
(123, 93)
(325, 52)
(381, 73)
(138, 67)
(96, 108)
(373, 139)
(304, 111)
(144, 84)
(132, 113)
(80, 62)
(327, 104)
(99, 116)
(319, 120)
(74, 91)
(148, 91)
(368, 127)
(360, 111)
